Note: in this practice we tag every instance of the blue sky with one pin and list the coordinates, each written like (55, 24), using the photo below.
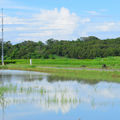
(60, 19)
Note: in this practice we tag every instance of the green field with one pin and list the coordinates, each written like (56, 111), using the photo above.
(61, 65)
(111, 62)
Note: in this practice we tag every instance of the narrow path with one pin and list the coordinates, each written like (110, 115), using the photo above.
(97, 69)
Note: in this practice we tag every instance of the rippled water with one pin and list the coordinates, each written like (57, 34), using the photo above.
(38, 96)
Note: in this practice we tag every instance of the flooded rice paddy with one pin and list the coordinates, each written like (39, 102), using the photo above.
(37, 96)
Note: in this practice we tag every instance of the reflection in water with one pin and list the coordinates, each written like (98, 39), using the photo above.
(31, 88)
(2, 99)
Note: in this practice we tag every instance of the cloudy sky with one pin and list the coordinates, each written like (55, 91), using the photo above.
(39, 20)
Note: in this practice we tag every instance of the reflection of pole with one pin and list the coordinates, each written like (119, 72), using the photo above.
(30, 77)
(2, 100)
(2, 57)
(3, 106)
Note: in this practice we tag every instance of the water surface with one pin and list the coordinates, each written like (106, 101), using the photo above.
(38, 96)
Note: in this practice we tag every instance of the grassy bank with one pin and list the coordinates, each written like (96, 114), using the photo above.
(91, 76)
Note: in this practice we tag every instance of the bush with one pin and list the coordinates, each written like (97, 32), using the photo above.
(8, 62)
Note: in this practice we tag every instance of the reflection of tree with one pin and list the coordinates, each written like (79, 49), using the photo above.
(31, 77)
(19, 75)
(54, 78)
(3, 77)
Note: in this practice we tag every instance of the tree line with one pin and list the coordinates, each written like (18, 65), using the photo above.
(82, 48)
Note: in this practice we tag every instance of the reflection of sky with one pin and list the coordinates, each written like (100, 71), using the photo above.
(63, 100)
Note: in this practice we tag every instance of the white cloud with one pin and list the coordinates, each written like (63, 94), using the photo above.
(97, 13)
(93, 12)
(94, 28)
(108, 26)
(44, 33)
(60, 24)
(13, 20)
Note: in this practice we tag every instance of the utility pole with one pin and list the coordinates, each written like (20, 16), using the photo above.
(2, 40)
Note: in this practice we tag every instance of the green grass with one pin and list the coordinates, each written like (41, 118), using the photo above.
(111, 62)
